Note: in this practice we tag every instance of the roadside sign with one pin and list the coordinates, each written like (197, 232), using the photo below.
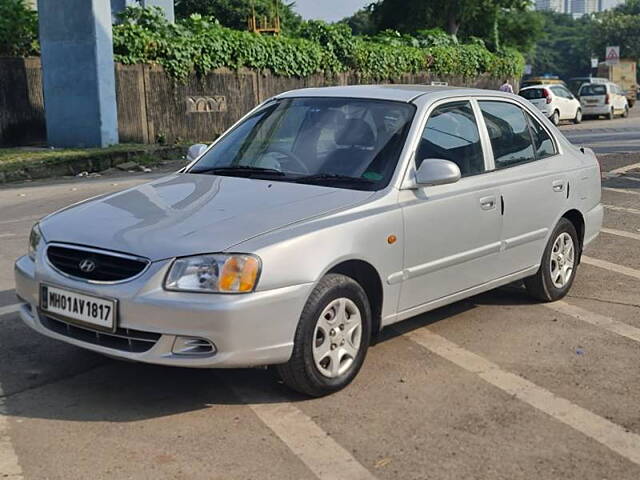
(528, 69)
(613, 55)
(594, 62)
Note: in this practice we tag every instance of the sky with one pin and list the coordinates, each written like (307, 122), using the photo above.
(329, 10)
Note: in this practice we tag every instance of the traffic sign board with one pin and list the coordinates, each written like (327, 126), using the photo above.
(613, 55)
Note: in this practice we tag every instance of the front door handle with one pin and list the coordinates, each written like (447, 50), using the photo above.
(558, 185)
(488, 203)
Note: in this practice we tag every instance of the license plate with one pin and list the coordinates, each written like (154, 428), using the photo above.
(592, 101)
(74, 307)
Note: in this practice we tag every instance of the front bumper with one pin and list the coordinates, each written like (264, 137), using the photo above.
(247, 330)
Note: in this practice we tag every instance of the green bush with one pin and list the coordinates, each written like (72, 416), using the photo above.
(18, 29)
(202, 44)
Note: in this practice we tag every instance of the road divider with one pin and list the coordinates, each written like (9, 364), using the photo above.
(621, 233)
(614, 267)
(9, 309)
(615, 208)
(327, 459)
(601, 321)
(607, 433)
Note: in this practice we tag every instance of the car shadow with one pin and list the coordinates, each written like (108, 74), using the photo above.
(47, 379)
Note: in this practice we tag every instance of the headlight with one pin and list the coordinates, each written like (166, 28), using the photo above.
(214, 273)
(35, 237)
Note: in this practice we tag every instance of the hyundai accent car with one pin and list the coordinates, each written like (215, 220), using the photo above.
(321, 217)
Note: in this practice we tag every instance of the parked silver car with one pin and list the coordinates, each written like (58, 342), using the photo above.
(321, 217)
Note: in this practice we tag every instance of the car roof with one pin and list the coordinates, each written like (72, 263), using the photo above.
(395, 92)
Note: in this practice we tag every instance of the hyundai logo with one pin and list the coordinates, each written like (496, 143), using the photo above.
(87, 265)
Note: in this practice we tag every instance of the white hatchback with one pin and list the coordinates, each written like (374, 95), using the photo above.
(606, 99)
(555, 101)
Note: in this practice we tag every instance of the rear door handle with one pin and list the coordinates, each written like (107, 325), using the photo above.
(488, 203)
(558, 185)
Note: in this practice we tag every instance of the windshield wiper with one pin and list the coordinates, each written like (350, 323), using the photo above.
(333, 177)
(240, 170)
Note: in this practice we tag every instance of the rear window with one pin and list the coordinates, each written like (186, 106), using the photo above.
(532, 93)
(590, 90)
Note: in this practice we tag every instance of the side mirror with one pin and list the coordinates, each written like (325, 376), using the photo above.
(435, 171)
(195, 151)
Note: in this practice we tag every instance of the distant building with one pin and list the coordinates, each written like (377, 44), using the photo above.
(577, 8)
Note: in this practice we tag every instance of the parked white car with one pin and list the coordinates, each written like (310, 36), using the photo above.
(605, 99)
(323, 216)
(554, 101)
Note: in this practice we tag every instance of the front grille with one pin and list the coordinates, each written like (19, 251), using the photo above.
(124, 339)
(106, 267)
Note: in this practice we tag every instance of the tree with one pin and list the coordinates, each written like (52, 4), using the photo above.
(466, 17)
(234, 13)
(617, 28)
(362, 22)
(630, 7)
(18, 29)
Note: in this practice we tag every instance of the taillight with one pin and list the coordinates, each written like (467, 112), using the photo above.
(607, 99)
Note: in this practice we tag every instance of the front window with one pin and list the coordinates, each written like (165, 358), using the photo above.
(452, 134)
(339, 142)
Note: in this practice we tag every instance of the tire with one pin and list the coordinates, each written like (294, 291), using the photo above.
(578, 117)
(326, 357)
(611, 115)
(555, 118)
(542, 285)
(626, 112)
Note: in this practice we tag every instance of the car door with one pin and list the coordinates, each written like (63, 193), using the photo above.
(452, 232)
(563, 102)
(532, 182)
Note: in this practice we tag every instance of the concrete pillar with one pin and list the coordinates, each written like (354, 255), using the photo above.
(118, 5)
(78, 73)
(166, 5)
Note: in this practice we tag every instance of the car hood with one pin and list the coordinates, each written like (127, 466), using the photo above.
(187, 214)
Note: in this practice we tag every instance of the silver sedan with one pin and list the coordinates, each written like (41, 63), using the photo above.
(321, 217)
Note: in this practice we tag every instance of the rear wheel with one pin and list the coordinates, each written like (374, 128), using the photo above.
(578, 117)
(332, 338)
(559, 263)
(555, 118)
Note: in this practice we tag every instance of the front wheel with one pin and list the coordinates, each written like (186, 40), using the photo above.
(626, 112)
(578, 117)
(559, 264)
(332, 338)
(611, 115)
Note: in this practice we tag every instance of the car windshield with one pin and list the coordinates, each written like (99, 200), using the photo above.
(591, 90)
(340, 142)
(532, 93)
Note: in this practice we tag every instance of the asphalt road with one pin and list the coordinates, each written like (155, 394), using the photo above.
(607, 136)
(493, 387)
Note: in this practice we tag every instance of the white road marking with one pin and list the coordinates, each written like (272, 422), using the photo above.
(7, 235)
(615, 437)
(634, 179)
(22, 219)
(626, 168)
(9, 467)
(621, 233)
(10, 309)
(319, 452)
(621, 190)
(615, 208)
(602, 321)
(614, 267)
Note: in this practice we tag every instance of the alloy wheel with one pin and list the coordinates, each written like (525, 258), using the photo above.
(337, 337)
(562, 261)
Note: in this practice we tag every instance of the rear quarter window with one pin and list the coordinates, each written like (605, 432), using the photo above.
(532, 94)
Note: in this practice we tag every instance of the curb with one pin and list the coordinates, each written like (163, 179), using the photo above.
(90, 163)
